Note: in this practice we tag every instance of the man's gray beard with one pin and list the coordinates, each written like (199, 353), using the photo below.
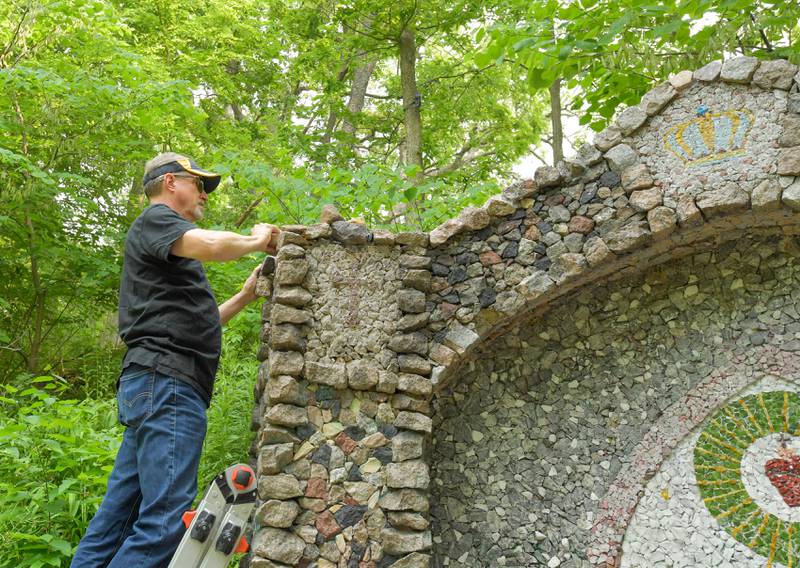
(199, 212)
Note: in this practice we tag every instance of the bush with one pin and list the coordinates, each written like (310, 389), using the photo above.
(55, 458)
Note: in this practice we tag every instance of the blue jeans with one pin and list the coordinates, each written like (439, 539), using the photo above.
(154, 479)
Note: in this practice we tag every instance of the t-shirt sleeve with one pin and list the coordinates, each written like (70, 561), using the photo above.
(161, 227)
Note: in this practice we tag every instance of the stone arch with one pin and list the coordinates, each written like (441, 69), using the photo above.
(362, 327)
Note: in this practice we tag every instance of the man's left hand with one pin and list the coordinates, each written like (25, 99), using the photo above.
(248, 292)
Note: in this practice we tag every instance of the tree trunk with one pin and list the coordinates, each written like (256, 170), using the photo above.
(358, 91)
(555, 121)
(330, 124)
(411, 100)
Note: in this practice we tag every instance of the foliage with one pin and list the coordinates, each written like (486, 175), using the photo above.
(55, 456)
(612, 51)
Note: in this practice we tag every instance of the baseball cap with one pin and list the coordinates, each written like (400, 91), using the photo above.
(172, 163)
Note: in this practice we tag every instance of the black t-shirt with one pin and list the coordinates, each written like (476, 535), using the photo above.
(168, 316)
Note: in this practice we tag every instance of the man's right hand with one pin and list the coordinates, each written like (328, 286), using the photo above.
(269, 233)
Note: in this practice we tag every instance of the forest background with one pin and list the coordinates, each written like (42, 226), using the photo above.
(400, 113)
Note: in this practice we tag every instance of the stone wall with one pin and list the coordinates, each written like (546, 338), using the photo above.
(374, 341)
(536, 441)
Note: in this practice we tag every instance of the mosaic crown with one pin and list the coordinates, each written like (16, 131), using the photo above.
(710, 137)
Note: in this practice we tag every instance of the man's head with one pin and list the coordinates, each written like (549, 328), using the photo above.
(176, 181)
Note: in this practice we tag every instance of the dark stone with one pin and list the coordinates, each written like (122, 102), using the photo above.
(511, 250)
(383, 454)
(543, 264)
(349, 515)
(350, 233)
(458, 274)
(305, 431)
(540, 249)
(519, 214)
(466, 258)
(388, 430)
(387, 561)
(439, 269)
(609, 179)
(588, 195)
(544, 227)
(354, 475)
(357, 552)
(336, 407)
(324, 393)
(508, 226)
(322, 455)
(319, 540)
(487, 297)
(355, 432)
(451, 298)
(483, 234)
(538, 206)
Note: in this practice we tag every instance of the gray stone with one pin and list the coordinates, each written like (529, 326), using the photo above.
(681, 80)
(362, 374)
(404, 500)
(414, 261)
(790, 131)
(446, 231)
(412, 239)
(536, 285)
(460, 338)
(658, 98)
(631, 119)
(287, 337)
(280, 545)
(289, 415)
(414, 384)
(547, 176)
(418, 279)
(333, 375)
(766, 196)
(272, 459)
(412, 474)
(405, 520)
(789, 162)
(407, 446)
(688, 213)
(291, 272)
(608, 138)
(412, 363)
(662, 221)
(396, 542)
(474, 218)
(646, 199)
(286, 363)
(387, 382)
(279, 514)
(413, 322)
(288, 314)
(628, 237)
(636, 177)
(791, 196)
(282, 486)
(292, 296)
(709, 72)
(350, 233)
(559, 214)
(284, 388)
(568, 265)
(723, 201)
(411, 301)
(409, 343)
(589, 155)
(793, 103)
(288, 252)
(775, 74)
(620, 157)
(739, 69)
(596, 251)
(499, 206)
(413, 421)
(330, 214)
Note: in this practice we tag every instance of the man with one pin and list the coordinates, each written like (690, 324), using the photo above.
(171, 324)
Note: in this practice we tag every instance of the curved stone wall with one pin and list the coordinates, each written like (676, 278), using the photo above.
(560, 416)
(362, 328)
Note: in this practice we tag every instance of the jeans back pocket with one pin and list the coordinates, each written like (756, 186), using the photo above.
(135, 397)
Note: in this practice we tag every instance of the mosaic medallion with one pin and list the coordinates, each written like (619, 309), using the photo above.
(747, 465)
(710, 137)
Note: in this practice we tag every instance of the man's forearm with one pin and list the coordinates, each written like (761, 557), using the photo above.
(233, 306)
(205, 245)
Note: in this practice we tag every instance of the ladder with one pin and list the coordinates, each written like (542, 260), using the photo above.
(214, 532)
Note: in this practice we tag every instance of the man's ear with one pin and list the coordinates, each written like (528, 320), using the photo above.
(169, 182)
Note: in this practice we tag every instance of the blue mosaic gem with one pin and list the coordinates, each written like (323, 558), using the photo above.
(702, 110)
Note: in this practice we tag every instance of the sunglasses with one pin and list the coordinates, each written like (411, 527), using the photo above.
(198, 182)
